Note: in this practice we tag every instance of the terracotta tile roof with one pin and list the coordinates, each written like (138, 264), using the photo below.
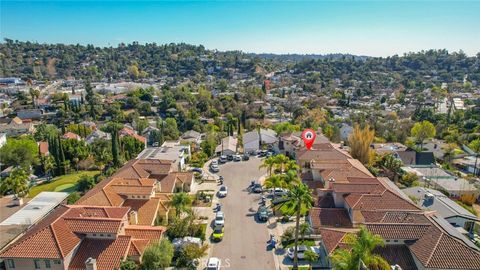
(399, 231)
(129, 190)
(108, 253)
(96, 212)
(137, 247)
(329, 217)
(72, 136)
(44, 240)
(43, 148)
(145, 232)
(397, 255)
(146, 209)
(437, 249)
(357, 188)
(395, 217)
(325, 201)
(93, 225)
(384, 201)
(314, 184)
(321, 152)
(130, 132)
(331, 239)
(340, 170)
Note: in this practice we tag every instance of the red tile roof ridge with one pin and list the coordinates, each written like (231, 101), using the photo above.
(56, 241)
(434, 247)
(145, 227)
(94, 218)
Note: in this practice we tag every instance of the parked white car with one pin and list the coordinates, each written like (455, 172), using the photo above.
(301, 251)
(279, 192)
(214, 264)
(237, 158)
(214, 168)
(222, 192)
(219, 219)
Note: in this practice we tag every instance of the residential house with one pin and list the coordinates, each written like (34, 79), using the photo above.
(258, 139)
(80, 237)
(468, 164)
(16, 127)
(144, 185)
(127, 131)
(228, 146)
(345, 131)
(43, 149)
(348, 197)
(71, 136)
(192, 136)
(433, 176)
(30, 114)
(97, 135)
(430, 199)
(174, 152)
(288, 144)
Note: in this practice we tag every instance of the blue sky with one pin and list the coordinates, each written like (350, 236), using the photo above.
(376, 28)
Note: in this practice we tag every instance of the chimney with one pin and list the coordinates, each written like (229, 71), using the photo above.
(133, 217)
(91, 264)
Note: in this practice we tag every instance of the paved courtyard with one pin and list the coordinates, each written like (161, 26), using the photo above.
(245, 242)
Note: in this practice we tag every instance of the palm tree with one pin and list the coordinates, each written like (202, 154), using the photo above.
(181, 201)
(280, 161)
(268, 163)
(34, 94)
(360, 252)
(17, 182)
(311, 257)
(290, 178)
(291, 165)
(305, 229)
(274, 181)
(299, 200)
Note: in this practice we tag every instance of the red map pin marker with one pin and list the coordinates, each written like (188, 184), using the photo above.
(308, 137)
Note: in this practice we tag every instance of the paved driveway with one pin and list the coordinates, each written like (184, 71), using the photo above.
(245, 241)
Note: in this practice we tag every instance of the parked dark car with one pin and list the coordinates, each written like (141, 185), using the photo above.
(229, 157)
(257, 188)
(262, 213)
(246, 156)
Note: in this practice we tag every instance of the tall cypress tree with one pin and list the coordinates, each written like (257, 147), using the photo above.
(115, 148)
(61, 157)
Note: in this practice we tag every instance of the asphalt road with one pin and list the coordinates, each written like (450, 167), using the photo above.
(244, 245)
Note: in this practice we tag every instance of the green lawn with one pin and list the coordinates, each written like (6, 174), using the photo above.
(65, 183)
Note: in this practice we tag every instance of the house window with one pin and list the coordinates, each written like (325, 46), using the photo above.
(10, 264)
(101, 234)
(109, 235)
(395, 241)
(57, 262)
(47, 264)
(94, 234)
(37, 264)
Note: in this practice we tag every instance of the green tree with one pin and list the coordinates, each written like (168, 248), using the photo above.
(102, 152)
(16, 182)
(181, 202)
(73, 198)
(269, 163)
(422, 131)
(311, 257)
(190, 253)
(45, 131)
(128, 264)
(85, 183)
(20, 152)
(131, 147)
(359, 252)
(171, 131)
(475, 146)
(158, 255)
(299, 199)
(391, 165)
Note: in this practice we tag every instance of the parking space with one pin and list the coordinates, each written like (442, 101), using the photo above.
(244, 245)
